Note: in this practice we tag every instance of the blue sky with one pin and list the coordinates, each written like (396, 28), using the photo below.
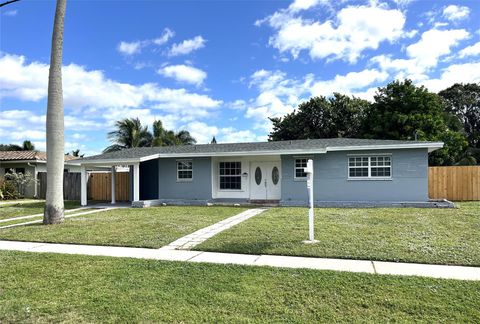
(221, 67)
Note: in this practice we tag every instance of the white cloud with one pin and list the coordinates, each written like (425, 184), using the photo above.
(130, 48)
(423, 55)
(472, 50)
(456, 73)
(453, 12)
(349, 83)
(187, 46)
(91, 89)
(184, 73)
(355, 29)
(435, 43)
(10, 13)
(165, 37)
(204, 133)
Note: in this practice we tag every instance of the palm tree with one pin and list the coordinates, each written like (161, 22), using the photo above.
(159, 134)
(129, 133)
(184, 138)
(54, 208)
(28, 146)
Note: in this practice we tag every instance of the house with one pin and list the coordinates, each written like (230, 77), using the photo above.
(32, 162)
(346, 172)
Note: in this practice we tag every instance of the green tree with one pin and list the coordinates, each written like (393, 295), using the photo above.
(321, 117)
(463, 102)
(129, 133)
(163, 137)
(403, 111)
(28, 146)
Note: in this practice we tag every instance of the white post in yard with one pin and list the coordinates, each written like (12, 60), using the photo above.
(83, 186)
(309, 171)
(136, 182)
(114, 174)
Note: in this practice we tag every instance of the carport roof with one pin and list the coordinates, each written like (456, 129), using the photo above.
(255, 148)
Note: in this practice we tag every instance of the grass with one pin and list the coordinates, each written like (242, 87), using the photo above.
(44, 288)
(439, 236)
(31, 208)
(138, 227)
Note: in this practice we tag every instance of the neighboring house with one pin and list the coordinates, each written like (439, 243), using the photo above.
(346, 171)
(32, 162)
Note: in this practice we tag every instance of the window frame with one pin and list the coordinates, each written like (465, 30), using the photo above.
(369, 166)
(229, 176)
(295, 158)
(177, 162)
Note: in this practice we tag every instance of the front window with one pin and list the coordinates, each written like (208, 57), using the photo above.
(370, 167)
(184, 170)
(300, 165)
(230, 175)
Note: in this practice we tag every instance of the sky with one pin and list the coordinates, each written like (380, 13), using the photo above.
(220, 68)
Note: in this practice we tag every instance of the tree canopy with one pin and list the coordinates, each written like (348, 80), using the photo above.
(131, 133)
(399, 111)
(321, 117)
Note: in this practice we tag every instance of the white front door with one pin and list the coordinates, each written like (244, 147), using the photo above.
(265, 182)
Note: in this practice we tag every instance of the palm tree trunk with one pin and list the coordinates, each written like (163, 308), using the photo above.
(54, 208)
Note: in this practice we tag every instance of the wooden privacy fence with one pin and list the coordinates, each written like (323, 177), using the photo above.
(454, 182)
(100, 186)
(71, 185)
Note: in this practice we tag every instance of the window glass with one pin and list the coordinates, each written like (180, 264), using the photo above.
(300, 164)
(258, 175)
(369, 167)
(184, 170)
(275, 175)
(230, 175)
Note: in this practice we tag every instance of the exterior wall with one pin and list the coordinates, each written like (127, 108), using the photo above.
(409, 179)
(200, 188)
(30, 189)
(149, 180)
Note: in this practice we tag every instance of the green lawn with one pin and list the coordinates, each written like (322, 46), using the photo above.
(31, 208)
(45, 288)
(443, 236)
(139, 227)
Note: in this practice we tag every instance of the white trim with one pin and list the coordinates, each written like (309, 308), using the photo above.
(183, 180)
(231, 176)
(431, 147)
(295, 158)
(369, 167)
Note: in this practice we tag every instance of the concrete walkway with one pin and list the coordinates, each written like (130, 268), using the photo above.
(189, 241)
(372, 267)
(66, 216)
(20, 201)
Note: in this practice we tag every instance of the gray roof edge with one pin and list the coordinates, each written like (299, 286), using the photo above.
(431, 146)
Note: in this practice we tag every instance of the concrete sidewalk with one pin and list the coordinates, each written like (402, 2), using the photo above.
(372, 267)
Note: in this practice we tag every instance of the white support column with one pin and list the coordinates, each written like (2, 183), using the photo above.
(136, 182)
(83, 186)
(114, 175)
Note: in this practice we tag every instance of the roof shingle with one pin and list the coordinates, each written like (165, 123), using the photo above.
(313, 144)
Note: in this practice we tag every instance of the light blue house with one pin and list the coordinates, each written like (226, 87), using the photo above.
(346, 172)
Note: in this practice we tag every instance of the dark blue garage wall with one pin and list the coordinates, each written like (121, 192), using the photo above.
(149, 180)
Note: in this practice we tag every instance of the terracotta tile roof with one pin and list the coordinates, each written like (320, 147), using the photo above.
(28, 156)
